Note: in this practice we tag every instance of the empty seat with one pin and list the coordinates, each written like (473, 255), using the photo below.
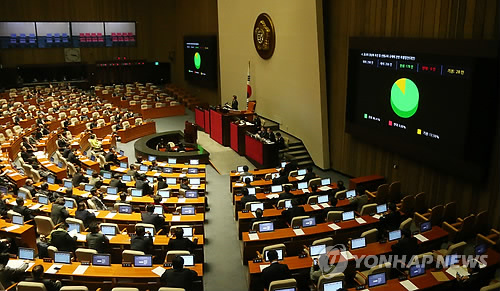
(128, 255)
(172, 254)
(85, 255)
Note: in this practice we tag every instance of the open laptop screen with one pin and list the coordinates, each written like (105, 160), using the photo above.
(101, 260)
(143, 261)
(62, 258)
(26, 254)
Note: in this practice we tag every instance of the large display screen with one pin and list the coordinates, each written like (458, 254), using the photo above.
(200, 59)
(429, 99)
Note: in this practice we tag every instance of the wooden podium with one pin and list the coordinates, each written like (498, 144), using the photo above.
(190, 132)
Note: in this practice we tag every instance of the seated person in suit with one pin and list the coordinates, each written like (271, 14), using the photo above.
(58, 212)
(23, 210)
(117, 182)
(185, 184)
(154, 166)
(286, 194)
(97, 199)
(161, 183)
(259, 213)
(270, 135)
(309, 175)
(407, 246)
(178, 276)
(73, 158)
(133, 171)
(280, 141)
(29, 186)
(246, 197)
(152, 218)
(9, 276)
(245, 173)
(390, 220)
(361, 198)
(111, 156)
(79, 177)
(141, 241)
(340, 187)
(294, 211)
(84, 215)
(142, 183)
(180, 243)
(333, 207)
(123, 198)
(96, 240)
(37, 274)
(282, 179)
(262, 133)
(275, 271)
(61, 239)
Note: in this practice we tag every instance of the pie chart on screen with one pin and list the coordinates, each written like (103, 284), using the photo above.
(404, 98)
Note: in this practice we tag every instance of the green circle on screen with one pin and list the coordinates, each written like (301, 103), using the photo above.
(404, 98)
(197, 60)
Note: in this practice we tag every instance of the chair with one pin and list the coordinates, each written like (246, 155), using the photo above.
(407, 206)
(171, 289)
(313, 199)
(281, 203)
(273, 247)
(126, 124)
(71, 169)
(172, 254)
(362, 277)
(297, 221)
(251, 106)
(282, 284)
(370, 236)
(76, 220)
(73, 112)
(138, 121)
(420, 205)
(36, 175)
(380, 196)
(293, 173)
(30, 286)
(95, 115)
(128, 255)
(44, 225)
(255, 225)
(368, 209)
(17, 129)
(450, 211)
(85, 255)
(406, 224)
(2, 138)
(74, 288)
(333, 216)
(9, 133)
(435, 215)
(315, 181)
(481, 223)
(248, 205)
(52, 250)
(460, 230)
(453, 249)
(329, 278)
(125, 289)
(323, 241)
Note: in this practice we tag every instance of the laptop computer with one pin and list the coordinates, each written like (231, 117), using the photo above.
(69, 203)
(358, 243)
(122, 153)
(123, 165)
(239, 169)
(194, 181)
(172, 161)
(276, 188)
(171, 181)
(395, 235)
(42, 199)
(192, 171)
(376, 280)
(244, 178)
(125, 209)
(74, 227)
(88, 187)
(302, 172)
(143, 168)
(191, 194)
(255, 206)
(106, 175)
(22, 195)
(283, 164)
(302, 185)
(168, 170)
(51, 179)
(333, 286)
(108, 230)
(417, 270)
(347, 215)
(101, 260)
(26, 254)
(60, 164)
(425, 226)
(18, 219)
(143, 261)
(89, 172)
(92, 158)
(323, 199)
(62, 258)
(164, 193)
(136, 192)
(68, 185)
(194, 162)
(381, 208)
(280, 255)
(151, 158)
(326, 181)
(308, 222)
(288, 203)
(266, 227)
(126, 178)
(251, 190)
(188, 260)
(350, 194)
(112, 190)
(150, 179)
(188, 210)
(317, 250)
(158, 210)
(150, 230)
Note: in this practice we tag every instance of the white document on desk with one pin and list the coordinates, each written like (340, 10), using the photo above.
(360, 220)
(120, 170)
(315, 207)
(157, 175)
(181, 200)
(80, 270)
(195, 186)
(376, 216)
(158, 271)
(17, 264)
(334, 226)
(298, 231)
(36, 206)
(53, 269)
(129, 198)
(324, 188)
(408, 285)
(453, 270)
(306, 191)
(262, 267)
(347, 255)
(273, 196)
(110, 197)
(300, 178)
(253, 236)
(110, 215)
(11, 228)
(325, 205)
(176, 218)
(420, 237)
(239, 184)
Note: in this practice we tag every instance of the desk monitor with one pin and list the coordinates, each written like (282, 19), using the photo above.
(251, 190)
(62, 258)
(280, 255)
(187, 231)
(172, 160)
(326, 181)
(194, 181)
(158, 209)
(89, 172)
(288, 203)
(308, 222)
(451, 260)
(123, 165)
(244, 178)
(106, 175)
(92, 158)
(112, 190)
(395, 235)
(480, 249)
(381, 208)
(126, 178)
(333, 286)
(283, 164)
(151, 158)
(323, 199)
(143, 168)
(425, 226)
(276, 188)
(301, 172)
(350, 194)
(42, 199)
(191, 194)
(376, 280)
(69, 203)
(286, 289)
(88, 187)
(136, 192)
(188, 260)
(101, 260)
(255, 206)
(18, 219)
(26, 254)
(168, 170)
(188, 210)
(417, 270)
(164, 193)
(358, 243)
(51, 179)
(74, 227)
(171, 181)
(143, 261)
(126, 209)
(192, 171)
(302, 185)
(122, 153)
(108, 229)
(151, 230)
(266, 227)
(347, 215)
(52, 160)
(22, 195)
(60, 164)
(239, 169)
(194, 162)
(4, 189)
(68, 184)
(317, 250)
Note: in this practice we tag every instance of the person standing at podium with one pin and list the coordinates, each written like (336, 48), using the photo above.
(234, 104)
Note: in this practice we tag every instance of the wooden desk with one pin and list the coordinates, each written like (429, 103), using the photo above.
(60, 173)
(261, 154)
(369, 182)
(25, 235)
(238, 133)
(134, 132)
(219, 124)
(158, 112)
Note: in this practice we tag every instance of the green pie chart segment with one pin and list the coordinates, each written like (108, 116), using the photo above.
(197, 60)
(404, 98)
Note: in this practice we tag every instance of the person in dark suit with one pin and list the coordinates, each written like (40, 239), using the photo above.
(9, 276)
(259, 216)
(309, 175)
(79, 177)
(270, 135)
(96, 240)
(23, 210)
(29, 186)
(140, 242)
(178, 276)
(185, 184)
(111, 156)
(275, 271)
(391, 220)
(142, 183)
(161, 183)
(295, 211)
(58, 213)
(280, 141)
(133, 171)
(150, 217)
(73, 158)
(407, 246)
(154, 166)
(84, 215)
(180, 243)
(246, 197)
(37, 274)
(234, 104)
(244, 173)
(286, 194)
(97, 199)
(282, 179)
(61, 239)
(116, 182)
(333, 207)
